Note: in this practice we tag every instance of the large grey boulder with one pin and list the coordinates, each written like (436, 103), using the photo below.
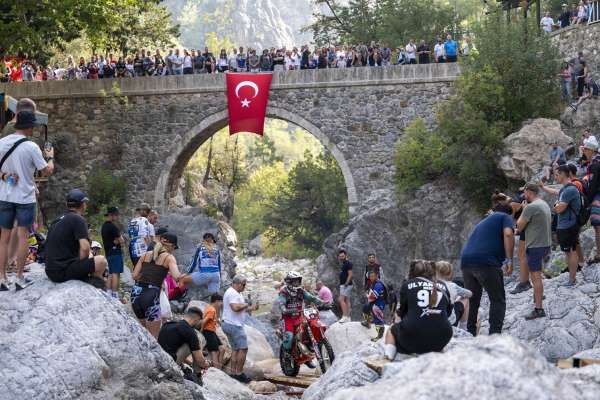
(220, 386)
(70, 340)
(348, 336)
(572, 324)
(491, 368)
(526, 151)
(431, 223)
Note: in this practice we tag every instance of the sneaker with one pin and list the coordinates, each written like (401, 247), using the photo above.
(243, 378)
(4, 285)
(521, 287)
(343, 320)
(536, 313)
(22, 283)
(569, 283)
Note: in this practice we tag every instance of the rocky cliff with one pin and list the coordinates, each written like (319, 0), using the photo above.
(431, 223)
(257, 23)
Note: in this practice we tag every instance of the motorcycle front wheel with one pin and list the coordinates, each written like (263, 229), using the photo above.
(327, 355)
(288, 366)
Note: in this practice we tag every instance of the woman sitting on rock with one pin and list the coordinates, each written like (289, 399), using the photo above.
(207, 260)
(149, 274)
(424, 308)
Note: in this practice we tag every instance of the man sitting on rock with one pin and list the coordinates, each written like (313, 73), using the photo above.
(179, 339)
(68, 246)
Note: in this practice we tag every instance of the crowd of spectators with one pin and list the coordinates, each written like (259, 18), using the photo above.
(580, 13)
(184, 62)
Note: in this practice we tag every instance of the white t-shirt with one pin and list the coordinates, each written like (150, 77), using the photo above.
(296, 60)
(138, 229)
(233, 62)
(222, 62)
(411, 51)
(232, 296)
(59, 73)
(439, 50)
(24, 161)
(187, 62)
(547, 23)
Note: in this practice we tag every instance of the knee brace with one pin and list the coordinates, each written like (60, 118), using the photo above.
(288, 338)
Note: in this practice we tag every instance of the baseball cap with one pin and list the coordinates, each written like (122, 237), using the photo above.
(77, 196)
(143, 206)
(26, 120)
(590, 144)
(161, 231)
(96, 245)
(111, 211)
(170, 238)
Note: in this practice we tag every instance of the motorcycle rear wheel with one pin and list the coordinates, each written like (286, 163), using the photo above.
(288, 366)
(327, 355)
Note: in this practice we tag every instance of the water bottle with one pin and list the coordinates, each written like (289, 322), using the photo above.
(10, 180)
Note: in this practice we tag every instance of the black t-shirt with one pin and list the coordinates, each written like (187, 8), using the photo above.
(346, 266)
(62, 244)
(423, 58)
(414, 302)
(110, 232)
(175, 334)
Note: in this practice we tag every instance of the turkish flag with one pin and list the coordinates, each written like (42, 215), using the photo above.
(247, 97)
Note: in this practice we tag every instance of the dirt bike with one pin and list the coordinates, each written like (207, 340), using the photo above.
(309, 344)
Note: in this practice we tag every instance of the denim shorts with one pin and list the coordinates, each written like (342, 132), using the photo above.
(212, 280)
(346, 290)
(236, 335)
(115, 264)
(23, 213)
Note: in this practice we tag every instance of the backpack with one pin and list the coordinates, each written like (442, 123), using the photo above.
(585, 211)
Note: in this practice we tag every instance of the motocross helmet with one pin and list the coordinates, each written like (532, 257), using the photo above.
(293, 282)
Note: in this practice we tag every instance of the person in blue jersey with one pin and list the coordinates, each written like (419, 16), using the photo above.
(205, 268)
(373, 309)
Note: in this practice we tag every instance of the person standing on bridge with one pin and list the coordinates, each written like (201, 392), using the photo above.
(20, 158)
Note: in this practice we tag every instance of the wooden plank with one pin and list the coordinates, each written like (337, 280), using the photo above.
(377, 364)
(576, 362)
(300, 381)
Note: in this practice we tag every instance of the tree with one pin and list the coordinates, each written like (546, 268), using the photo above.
(312, 204)
(511, 78)
(393, 21)
(40, 28)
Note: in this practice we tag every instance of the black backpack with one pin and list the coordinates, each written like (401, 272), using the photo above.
(585, 210)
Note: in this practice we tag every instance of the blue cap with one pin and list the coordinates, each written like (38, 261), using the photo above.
(77, 196)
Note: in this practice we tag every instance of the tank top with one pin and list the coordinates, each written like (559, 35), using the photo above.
(154, 273)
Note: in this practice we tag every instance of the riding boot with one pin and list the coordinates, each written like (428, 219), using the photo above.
(366, 321)
(380, 330)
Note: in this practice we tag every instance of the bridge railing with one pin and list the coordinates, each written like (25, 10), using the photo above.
(595, 14)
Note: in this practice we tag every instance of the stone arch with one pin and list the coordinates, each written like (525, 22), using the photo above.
(185, 148)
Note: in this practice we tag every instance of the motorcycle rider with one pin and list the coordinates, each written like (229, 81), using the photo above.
(373, 309)
(291, 303)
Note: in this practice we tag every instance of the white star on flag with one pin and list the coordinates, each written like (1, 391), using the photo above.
(246, 103)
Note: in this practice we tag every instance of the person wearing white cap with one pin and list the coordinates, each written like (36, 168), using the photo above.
(96, 247)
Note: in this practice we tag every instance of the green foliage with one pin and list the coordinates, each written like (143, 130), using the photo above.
(510, 79)
(390, 21)
(312, 204)
(417, 156)
(41, 28)
(105, 189)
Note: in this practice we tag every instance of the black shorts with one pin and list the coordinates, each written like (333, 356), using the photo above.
(145, 301)
(568, 239)
(430, 336)
(459, 311)
(76, 270)
(212, 340)
(522, 236)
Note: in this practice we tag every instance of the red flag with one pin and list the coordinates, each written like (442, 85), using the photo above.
(247, 97)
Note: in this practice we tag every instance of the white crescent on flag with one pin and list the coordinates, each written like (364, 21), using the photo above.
(246, 83)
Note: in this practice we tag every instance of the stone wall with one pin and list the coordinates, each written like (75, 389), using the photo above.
(146, 129)
(579, 38)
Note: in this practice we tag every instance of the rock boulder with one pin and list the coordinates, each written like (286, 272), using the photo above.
(71, 340)
(348, 336)
(493, 368)
(526, 151)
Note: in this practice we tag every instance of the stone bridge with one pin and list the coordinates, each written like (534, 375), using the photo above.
(146, 129)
